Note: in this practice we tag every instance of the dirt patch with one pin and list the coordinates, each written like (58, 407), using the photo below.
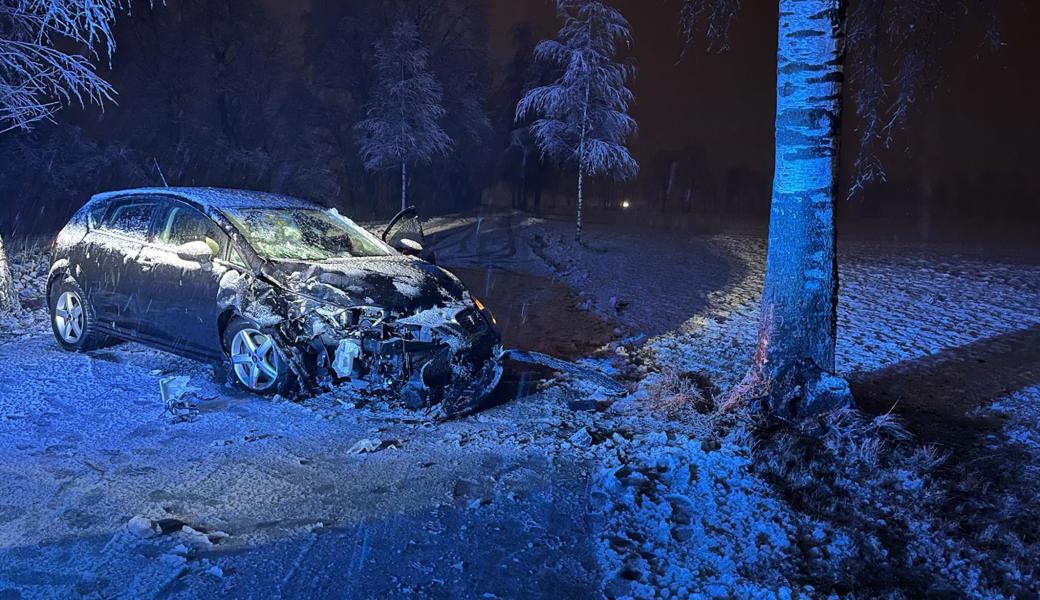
(537, 313)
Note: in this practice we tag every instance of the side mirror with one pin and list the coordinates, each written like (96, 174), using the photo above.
(408, 247)
(407, 213)
(197, 251)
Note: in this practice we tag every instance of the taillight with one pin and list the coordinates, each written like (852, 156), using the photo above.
(54, 244)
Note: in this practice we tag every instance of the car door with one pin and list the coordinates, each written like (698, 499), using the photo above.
(109, 270)
(181, 309)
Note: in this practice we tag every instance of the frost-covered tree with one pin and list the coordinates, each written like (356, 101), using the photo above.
(581, 119)
(402, 121)
(794, 366)
(38, 75)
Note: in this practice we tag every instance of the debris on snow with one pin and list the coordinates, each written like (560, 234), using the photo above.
(365, 445)
(563, 366)
(179, 398)
(142, 527)
(581, 438)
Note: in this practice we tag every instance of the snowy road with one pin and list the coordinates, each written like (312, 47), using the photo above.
(491, 504)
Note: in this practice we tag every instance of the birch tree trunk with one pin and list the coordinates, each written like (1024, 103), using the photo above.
(581, 158)
(404, 185)
(8, 301)
(793, 372)
(581, 195)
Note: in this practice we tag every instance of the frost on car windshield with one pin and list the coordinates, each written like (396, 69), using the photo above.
(304, 234)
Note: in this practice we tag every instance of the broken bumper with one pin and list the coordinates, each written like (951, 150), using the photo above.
(448, 356)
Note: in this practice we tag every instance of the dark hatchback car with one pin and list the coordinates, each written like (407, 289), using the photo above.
(291, 296)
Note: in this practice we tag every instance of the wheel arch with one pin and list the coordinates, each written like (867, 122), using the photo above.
(58, 271)
(223, 320)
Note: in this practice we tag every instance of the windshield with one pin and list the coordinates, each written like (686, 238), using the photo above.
(305, 234)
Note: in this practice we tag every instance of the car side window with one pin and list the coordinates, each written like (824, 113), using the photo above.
(96, 213)
(181, 224)
(131, 217)
(236, 259)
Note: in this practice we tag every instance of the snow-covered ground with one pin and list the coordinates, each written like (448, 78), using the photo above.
(554, 492)
(944, 337)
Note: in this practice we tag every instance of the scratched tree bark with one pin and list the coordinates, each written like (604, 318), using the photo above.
(793, 371)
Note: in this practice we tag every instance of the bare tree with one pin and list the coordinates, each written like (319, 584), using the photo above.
(37, 78)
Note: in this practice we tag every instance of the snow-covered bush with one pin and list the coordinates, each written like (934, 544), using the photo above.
(676, 395)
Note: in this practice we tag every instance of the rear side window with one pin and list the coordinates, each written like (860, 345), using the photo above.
(95, 214)
(130, 217)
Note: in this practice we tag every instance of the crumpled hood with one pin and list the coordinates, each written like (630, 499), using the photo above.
(400, 284)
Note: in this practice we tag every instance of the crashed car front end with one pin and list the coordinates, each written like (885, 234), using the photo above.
(448, 354)
(436, 347)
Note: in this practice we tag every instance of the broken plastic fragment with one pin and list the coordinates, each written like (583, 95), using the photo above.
(365, 445)
(172, 389)
(347, 352)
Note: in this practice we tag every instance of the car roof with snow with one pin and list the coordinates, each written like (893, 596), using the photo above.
(218, 198)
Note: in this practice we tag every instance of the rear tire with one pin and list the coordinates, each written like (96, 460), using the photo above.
(255, 361)
(72, 318)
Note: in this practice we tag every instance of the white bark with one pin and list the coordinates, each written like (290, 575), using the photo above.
(8, 300)
(581, 158)
(799, 305)
(404, 185)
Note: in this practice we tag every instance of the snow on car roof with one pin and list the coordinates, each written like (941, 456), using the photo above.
(218, 198)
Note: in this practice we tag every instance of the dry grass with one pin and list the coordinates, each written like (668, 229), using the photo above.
(679, 396)
(910, 524)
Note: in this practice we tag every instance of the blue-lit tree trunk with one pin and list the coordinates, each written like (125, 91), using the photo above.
(794, 364)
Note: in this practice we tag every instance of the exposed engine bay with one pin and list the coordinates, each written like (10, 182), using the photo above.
(428, 342)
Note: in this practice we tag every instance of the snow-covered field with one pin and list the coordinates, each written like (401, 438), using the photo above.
(552, 493)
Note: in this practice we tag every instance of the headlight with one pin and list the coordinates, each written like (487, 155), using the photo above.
(480, 306)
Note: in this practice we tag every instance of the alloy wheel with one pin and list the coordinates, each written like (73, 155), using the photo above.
(254, 358)
(68, 317)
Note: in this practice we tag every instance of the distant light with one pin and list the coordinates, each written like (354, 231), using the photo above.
(625, 204)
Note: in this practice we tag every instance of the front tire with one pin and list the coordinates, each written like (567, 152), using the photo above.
(255, 361)
(72, 318)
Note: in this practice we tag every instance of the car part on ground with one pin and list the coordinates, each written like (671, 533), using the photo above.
(609, 385)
